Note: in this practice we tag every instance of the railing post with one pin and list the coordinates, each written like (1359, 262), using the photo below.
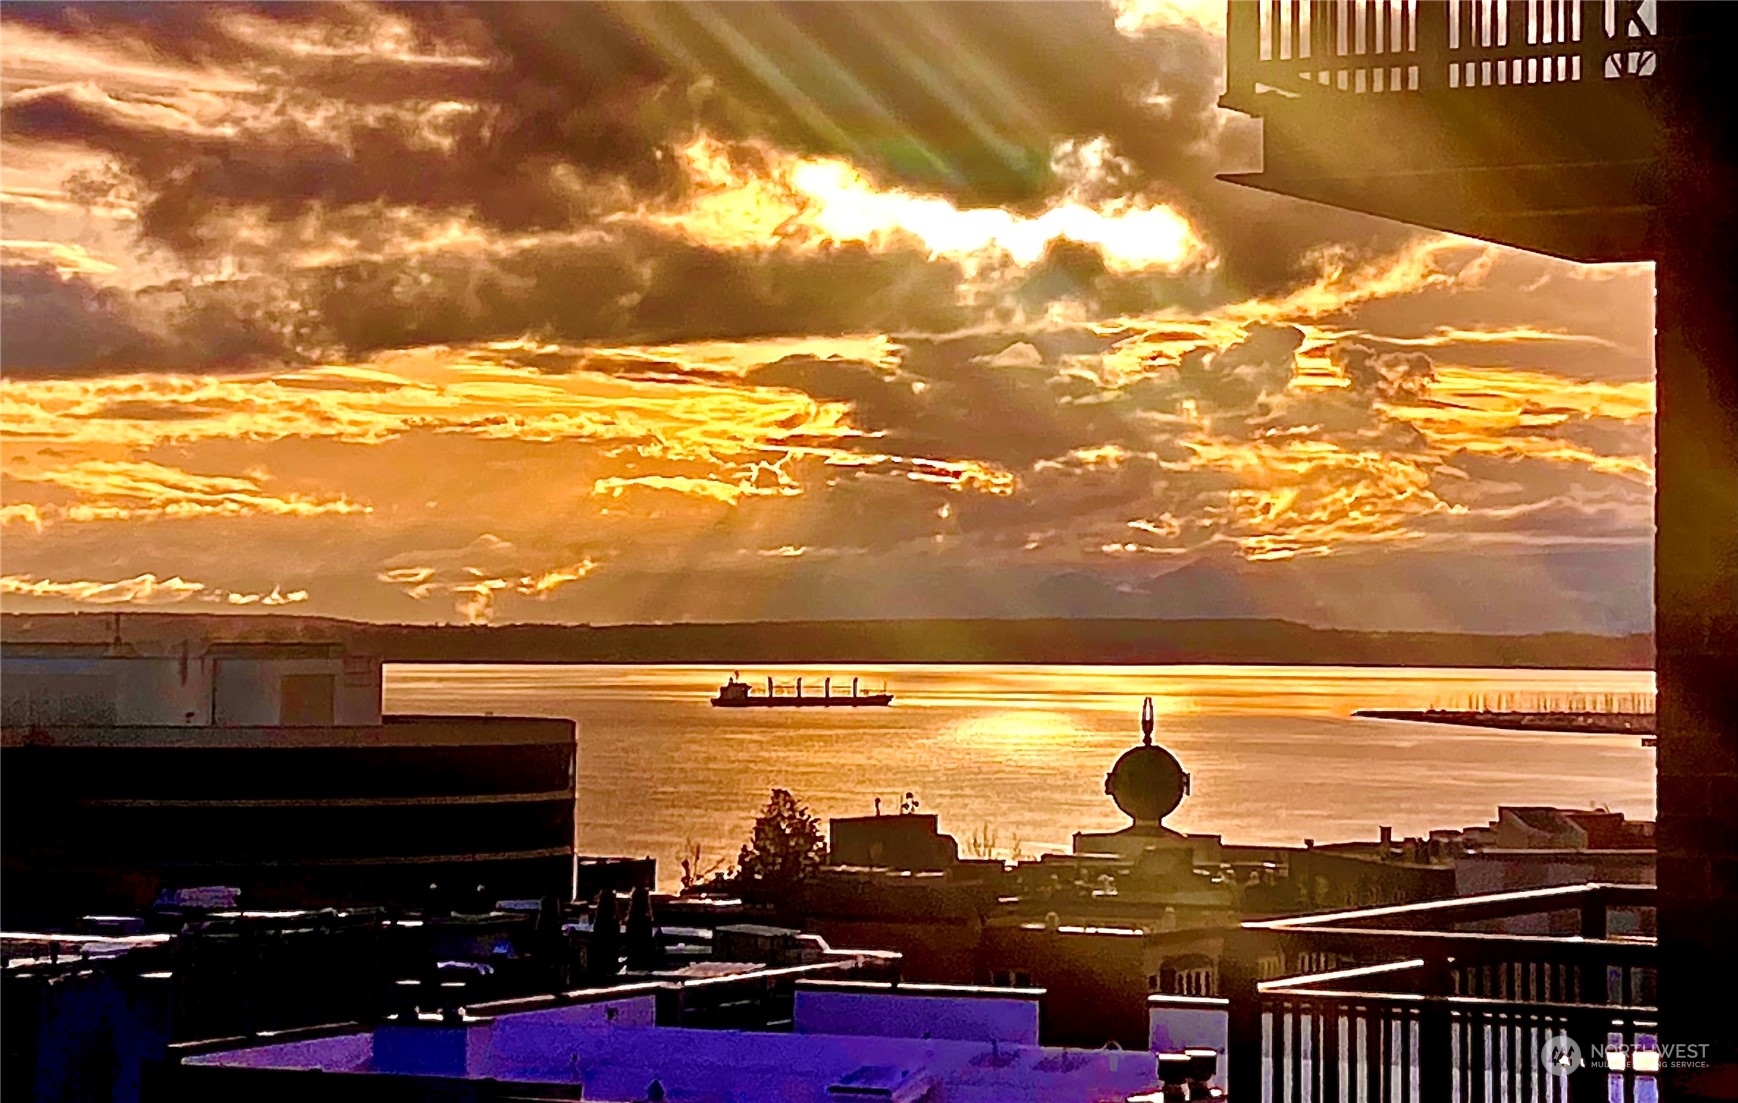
(1242, 53)
(1435, 1054)
(1433, 55)
(1515, 34)
(1239, 972)
(1324, 34)
(1594, 42)
(1328, 1057)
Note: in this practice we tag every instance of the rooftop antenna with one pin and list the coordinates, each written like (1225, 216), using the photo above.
(1147, 723)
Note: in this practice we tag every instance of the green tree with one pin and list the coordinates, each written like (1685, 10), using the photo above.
(787, 845)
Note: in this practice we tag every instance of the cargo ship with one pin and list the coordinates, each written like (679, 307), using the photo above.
(736, 694)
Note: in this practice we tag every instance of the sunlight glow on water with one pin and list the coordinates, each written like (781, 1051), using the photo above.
(1021, 752)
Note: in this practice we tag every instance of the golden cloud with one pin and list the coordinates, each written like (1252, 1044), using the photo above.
(117, 490)
(1311, 497)
(474, 588)
(822, 200)
(68, 259)
(1134, 16)
(474, 391)
(23, 513)
(142, 589)
(727, 492)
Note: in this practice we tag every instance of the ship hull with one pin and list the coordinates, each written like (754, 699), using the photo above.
(862, 700)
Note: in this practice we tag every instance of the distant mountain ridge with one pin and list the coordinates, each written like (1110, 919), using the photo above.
(1055, 641)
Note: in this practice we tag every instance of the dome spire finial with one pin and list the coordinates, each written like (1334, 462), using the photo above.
(1147, 723)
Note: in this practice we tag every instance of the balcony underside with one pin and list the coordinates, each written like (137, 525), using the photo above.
(1494, 204)
(1569, 170)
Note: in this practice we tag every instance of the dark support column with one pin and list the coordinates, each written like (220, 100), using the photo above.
(1696, 557)
(1239, 972)
(1593, 916)
(1435, 1041)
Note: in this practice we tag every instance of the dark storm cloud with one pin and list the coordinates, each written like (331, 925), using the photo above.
(632, 368)
(1008, 398)
(1238, 378)
(1089, 455)
(629, 286)
(539, 122)
(632, 286)
(288, 169)
(53, 324)
(1077, 272)
(563, 111)
(146, 409)
(1353, 414)
(967, 100)
(960, 396)
(1229, 387)
(184, 32)
(1146, 470)
(964, 99)
(60, 324)
(1388, 376)
(1609, 436)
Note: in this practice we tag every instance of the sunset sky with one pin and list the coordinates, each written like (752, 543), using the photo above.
(590, 313)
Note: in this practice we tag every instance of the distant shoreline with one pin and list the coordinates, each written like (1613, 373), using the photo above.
(1569, 723)
(733, 664)
(1035, 642)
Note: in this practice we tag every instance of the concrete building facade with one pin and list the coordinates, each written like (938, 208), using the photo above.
(130, 771)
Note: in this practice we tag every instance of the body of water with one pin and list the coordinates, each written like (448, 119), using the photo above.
(1015, 756)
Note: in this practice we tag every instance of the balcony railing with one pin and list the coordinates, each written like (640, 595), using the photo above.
(1279, 49)
(1417, 1004)
(1534, 123)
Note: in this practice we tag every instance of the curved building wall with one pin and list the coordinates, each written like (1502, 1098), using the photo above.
(222, 685)
(106, 817)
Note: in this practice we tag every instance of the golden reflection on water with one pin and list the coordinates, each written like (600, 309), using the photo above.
(1274, 753)
(1015, 732)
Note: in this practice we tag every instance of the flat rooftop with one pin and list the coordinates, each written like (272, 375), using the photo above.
(394, 730)
(619, 1062)
(825, 1038)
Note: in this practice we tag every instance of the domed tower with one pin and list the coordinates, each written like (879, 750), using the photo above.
(1147, 783)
